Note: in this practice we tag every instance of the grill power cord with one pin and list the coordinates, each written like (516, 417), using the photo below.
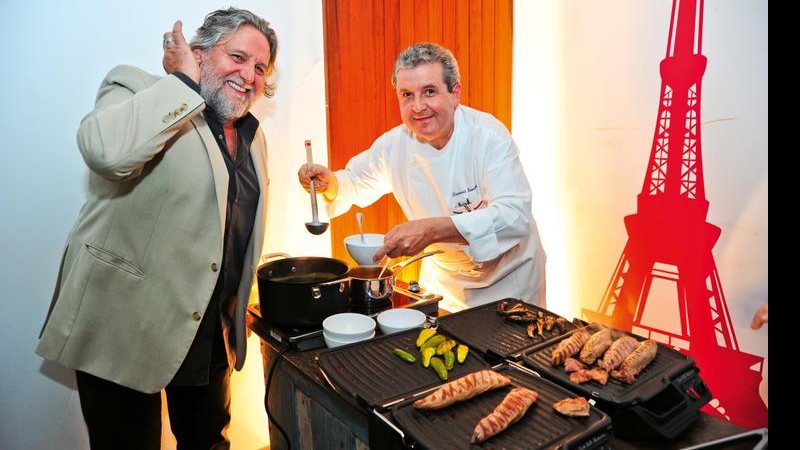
(266, 396)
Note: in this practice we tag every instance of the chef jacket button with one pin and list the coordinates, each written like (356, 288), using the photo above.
(214, 267)
(196, 315)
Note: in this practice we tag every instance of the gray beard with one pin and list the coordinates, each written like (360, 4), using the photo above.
(211, 91)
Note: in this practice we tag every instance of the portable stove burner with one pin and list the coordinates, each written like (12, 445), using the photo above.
(309, 338)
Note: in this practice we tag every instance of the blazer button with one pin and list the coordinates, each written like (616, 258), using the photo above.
(214, 267)
(196, 315)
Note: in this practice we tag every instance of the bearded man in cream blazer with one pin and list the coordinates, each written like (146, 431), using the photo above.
(157, 271)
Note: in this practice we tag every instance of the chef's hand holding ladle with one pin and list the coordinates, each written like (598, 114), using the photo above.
(315, 226)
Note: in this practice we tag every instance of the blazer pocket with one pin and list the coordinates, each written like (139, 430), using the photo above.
(114, 260)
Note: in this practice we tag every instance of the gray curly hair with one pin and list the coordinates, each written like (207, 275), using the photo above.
(221, 23)
(425, 53)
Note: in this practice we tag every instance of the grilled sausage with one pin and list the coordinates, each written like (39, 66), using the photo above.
(568, 347)
(510, 410)
(620, 349)
(461, 389)
(596, 346)
(634, 363)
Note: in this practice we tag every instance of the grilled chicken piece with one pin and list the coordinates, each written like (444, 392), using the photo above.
(572, 364)
(549, 322)
(634, 363)
(561, 324)
(621, 348)
(516, 308)
(461, 389)
(522, 318)
(574, 407)
(506, 305)
(531, 330)
(584, 375)
(510, 410)
(568, 347)
(596, 346)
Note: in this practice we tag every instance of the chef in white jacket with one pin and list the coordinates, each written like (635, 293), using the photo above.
(456, 173)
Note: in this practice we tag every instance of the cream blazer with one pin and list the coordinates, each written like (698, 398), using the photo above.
(142, 260)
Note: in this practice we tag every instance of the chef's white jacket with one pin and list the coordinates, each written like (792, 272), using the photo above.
(478, 181)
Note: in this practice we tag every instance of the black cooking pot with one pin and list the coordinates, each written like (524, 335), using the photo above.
(302, 291)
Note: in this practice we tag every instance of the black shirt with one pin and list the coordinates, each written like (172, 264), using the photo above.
(207, 352)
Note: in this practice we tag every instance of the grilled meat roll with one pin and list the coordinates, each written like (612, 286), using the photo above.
(596, 346)
(568, 347)
(510, 410)
(461, 389)
(615, 354)
(634, 363)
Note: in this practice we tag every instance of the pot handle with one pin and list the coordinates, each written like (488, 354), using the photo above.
(402, 264)
(316, 293)
(268, 256)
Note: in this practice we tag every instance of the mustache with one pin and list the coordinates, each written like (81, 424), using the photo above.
(240, 81)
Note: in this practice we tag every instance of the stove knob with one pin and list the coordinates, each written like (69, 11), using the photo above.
(413, 286)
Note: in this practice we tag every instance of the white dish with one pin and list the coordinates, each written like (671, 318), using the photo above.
(349, 327)
(362, 252)
(333, 343)
(400, 319)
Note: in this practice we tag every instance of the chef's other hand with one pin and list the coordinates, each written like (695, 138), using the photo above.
(412, 237)
(178, 56)
(324, 180)
(760, 317)
(406, 239)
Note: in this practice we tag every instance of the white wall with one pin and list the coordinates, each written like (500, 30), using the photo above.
(54, 55)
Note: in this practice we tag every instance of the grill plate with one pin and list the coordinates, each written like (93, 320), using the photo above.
(649, 382)
(540, 427)
(370, 373)
(663, 401)
(483, 329)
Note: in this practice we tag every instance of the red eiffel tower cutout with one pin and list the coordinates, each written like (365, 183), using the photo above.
(669, 240)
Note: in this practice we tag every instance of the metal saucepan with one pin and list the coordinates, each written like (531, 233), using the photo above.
(367, 287)
(302, 291)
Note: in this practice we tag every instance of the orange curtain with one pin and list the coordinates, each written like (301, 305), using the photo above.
(362, 40)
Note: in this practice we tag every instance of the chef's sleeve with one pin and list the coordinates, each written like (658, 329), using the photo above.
(364, 180)
(506, 221)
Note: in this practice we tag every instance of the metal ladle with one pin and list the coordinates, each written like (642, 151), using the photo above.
(315, 226)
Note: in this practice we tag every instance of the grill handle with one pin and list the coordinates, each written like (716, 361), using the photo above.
(667, 397)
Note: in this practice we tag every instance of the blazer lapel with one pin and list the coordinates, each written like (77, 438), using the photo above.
(217, 167)
(258, 155)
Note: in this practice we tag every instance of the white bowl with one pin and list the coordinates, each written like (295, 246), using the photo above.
(331, 342)
(349, 327)
(362, 252)
(400, 319)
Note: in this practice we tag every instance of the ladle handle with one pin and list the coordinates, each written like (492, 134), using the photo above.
(311, 185)
(403, 264)
(360, 220)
